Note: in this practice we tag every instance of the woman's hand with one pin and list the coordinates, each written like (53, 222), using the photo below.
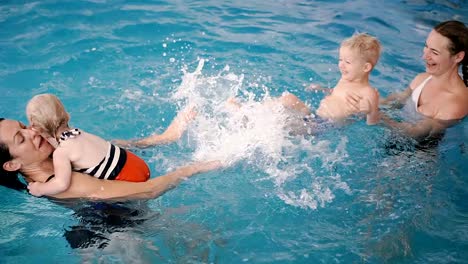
(354, 101)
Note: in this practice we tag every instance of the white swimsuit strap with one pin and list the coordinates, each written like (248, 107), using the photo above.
(417, 92)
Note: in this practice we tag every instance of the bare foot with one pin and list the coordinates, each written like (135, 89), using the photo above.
(188, 114)
(232, 104)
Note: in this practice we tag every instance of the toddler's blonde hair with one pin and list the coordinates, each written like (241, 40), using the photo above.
(366, 45)
(47, 114)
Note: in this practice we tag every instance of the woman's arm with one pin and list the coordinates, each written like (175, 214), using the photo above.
(396, 100)
(85, 186)
(426, 128)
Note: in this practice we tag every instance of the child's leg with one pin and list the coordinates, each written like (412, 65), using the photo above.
(291, 101)
(302, 125)
(173, 132)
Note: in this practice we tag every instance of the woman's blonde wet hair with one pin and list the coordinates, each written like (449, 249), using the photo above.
(366, 45)
(47, 114)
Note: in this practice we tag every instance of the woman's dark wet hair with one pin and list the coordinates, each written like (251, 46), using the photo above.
(8, 179)
(457, 33)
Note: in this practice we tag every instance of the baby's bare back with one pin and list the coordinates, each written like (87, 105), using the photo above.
(86, 150)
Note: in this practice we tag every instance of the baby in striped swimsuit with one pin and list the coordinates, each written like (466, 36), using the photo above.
(77, 150)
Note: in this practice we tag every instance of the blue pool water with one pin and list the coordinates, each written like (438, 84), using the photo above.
(123, 69)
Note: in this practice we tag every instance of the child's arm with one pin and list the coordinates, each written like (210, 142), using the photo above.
(319, 88)
(373, 115)
(62, 179)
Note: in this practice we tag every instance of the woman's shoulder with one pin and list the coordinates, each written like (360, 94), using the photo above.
(461, 97)
(456, 106)
(418, 79)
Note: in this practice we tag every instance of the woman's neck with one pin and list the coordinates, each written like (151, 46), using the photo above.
(39, 172)
(449, 78)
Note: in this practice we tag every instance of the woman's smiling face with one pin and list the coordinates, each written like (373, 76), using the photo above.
(437, 55)
(25, 145)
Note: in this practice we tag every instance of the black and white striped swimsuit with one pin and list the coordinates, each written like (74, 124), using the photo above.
(109, 167)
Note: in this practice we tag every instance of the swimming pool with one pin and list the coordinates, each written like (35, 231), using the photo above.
(123, 69)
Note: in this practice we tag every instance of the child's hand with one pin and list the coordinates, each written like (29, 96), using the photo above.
(35, 188)
(318, 88)
(314, 87)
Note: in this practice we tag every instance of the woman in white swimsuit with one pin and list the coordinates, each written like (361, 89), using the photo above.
(439, 95)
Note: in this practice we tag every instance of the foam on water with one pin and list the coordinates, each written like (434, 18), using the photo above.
(255, 132)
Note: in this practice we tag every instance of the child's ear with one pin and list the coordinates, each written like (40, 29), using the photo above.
(367, 67)
(11, 165)
(52, 141)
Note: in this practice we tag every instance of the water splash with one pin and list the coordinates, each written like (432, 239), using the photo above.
(253, 129)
